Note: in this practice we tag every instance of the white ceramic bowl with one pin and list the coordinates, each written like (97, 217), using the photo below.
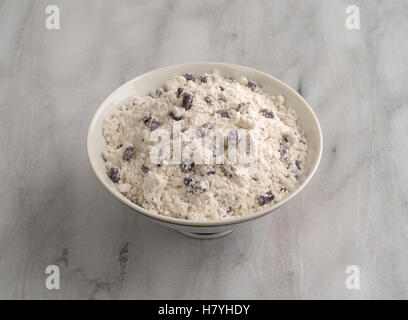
(142, 85)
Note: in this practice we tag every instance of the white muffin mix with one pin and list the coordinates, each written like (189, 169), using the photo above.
(205, 191)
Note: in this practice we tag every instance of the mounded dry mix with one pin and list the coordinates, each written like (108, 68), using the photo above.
(205, 191)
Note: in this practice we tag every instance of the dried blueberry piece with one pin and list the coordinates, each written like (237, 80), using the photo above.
(180, 92)
(208, 125)
(268, 113)
(252, 85)
(175, 117)
(222, 88)
(195, 186)
(209, 100)
(187, 180)
(284, 153)
(187, 101)
(233, 137)
(159, 92)
(147, 119)
(154, 124)
(210, 173)
(229, 210)
(128, 154)
(189, 77)
(145, 169)
(227, 172)
(203, 79)
(297, 163)
(114, 174)
(243, 107)
(186, 167)
(151, 122)
(266, 198)
(224, 113)
(204, 129)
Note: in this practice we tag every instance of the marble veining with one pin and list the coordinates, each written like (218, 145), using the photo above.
(54, 211)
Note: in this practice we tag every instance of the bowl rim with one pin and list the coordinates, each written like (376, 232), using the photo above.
(205, 223)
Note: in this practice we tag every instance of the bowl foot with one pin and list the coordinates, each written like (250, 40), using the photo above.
(205, 235)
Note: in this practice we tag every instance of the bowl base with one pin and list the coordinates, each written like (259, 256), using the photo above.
(205, 235)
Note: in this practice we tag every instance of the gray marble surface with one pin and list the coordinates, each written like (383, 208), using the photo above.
(54, 211)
